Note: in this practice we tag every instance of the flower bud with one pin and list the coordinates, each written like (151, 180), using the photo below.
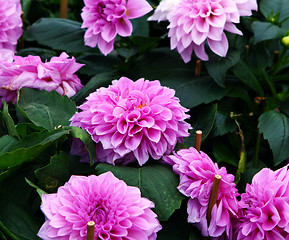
(285, 41)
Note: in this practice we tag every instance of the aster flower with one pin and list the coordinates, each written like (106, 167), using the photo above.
(195, 22)
(264, 207)
(130, 120)
(164, 10)
(107, 18)
(10, 24)
(197, 172)
(118, 210)
(57, 74)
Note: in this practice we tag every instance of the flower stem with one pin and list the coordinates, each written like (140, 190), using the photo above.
(213, 196)
(63, 8)
(270, 83)
(198, 140)
(90, 230)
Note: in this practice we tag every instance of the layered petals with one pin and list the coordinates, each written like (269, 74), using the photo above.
(10, 24)
(194, 23)
(118, 210)
(57, 74)
(197, 172)
(105, 19)
(164, 10)
(132, 120)
(264, 207)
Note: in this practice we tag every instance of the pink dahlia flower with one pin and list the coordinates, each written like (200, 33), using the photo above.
(264, 207)
(194, 22)
(118, 210)
(107, 18)
(164, 10)
(6, 56)
(10, 23)
(197, 172)
(57, 74)
(132, 120)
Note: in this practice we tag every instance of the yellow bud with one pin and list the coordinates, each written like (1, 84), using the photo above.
(285, 41)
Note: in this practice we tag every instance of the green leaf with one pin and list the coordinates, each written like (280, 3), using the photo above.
(171, 71)
(8, 173)
(46, 109)
(284, 107)
(202, 118)
(244, 73)
(195, 234)
(86, 139)
(99, 80)
(177, 227)
(9, 123)
(26, 6)
(161, 64)
(217, 66)
(158, 183)
(140, 26)
(246, 177)
(223, 125)
(7, 232)
(267, 7)
(266, 31)
(275, 128)
(41, 52)
(29, 148)
(17, 208)
(59, 34)
(7, 143)
(55, 174)
(197, 91)
(259, 58)
(97, 64)
(27, 128)
(38, 189)
(243, 94)
(223, 154)
(19, 221)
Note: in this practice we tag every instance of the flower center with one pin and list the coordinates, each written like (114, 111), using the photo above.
(99, 213)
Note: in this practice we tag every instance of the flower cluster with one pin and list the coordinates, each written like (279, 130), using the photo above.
(57, 74)
(10, 24)
(131, 120)
(197, 172)
(196, 22)
(264, 207)
(118, 210)
(107, 18)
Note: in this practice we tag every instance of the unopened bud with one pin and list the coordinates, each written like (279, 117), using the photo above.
(285, 41)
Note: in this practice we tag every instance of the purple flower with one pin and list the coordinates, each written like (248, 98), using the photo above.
(131, 120)
(194, 22)
(197, 172)
(10, 24)
(107, 18)
(118, 210)
(264, 207)
(57, 74)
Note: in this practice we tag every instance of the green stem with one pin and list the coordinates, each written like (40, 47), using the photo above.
(7, 232)
(280, 78)
(257, 150)
(270, 84)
